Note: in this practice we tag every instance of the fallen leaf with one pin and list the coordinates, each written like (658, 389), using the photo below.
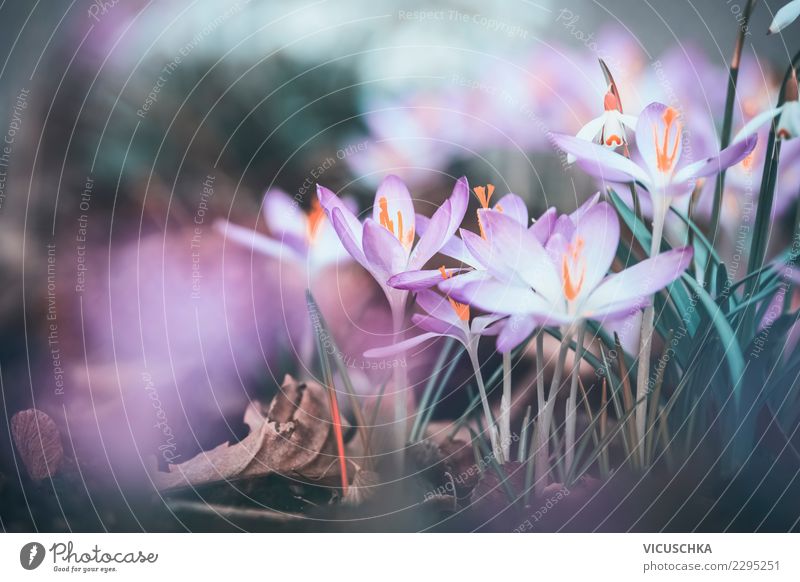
(294, 438)
(39, 443)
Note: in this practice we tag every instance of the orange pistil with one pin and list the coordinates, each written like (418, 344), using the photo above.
(572, 261)
(613, 139)
(316, 216)
(405, 238)
(484, 195)
(665, 160)
(461, 310)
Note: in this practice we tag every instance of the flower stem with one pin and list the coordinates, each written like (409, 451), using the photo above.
(660, 206)
(572, 404)
(505, 408)
(400, 385)
(727, 123)
(487, 411)
(545, 419)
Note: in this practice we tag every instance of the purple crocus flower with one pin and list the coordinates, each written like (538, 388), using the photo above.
(565, 281)
(306, 239)
(384, 244)
(455, 248)
(659, 141)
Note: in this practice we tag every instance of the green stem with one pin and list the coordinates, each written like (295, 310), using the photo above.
(570, 416)
(545, 419)
(400, 386)
(660, 206)
(505, 408)
(472, 350)
(727, 122)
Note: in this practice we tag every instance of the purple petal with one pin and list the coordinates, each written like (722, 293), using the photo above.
(453, 248)
(438, 306)
(599, 229)
(330, 201)
(384, 252)
(434, 325)
(349, 241)
(731, 155)
(516, 329)
(400, 347)
(521, 251)
(398, 201)
(497, 297)
(600, 161)
(513, 206)
(442, 225)
(256, 241)
(417, 280)
(635, 284)
(543, 227)
(656, 140)
(585, 207)
(284, 217)
(458, 281)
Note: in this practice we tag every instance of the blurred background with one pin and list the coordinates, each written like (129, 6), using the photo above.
(132, 127)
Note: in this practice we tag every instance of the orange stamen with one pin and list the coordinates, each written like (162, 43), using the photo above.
(316, 216)
(573, 259)
(484, 194)
(665, 160)
(462, 311)
(406, 239)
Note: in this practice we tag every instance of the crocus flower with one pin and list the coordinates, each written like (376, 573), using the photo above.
(785, 16)
(455, 248)
(307, 239)
(566, 281)
(659, 141)
(609, 129)
(384, 244)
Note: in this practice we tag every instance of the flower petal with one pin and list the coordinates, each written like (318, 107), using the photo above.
(600, 161)
(658, 138)
(785, 16)
(542, 228)
(599, 229)
(498, 297)
(752, 126)
(284, 217)
(255, 240)
(330, 201)
(350, 241)
(514, 245)
(401, 347)
(442, 225)
(384, 252)
(417, 280)
(513, 206)
(434, 325)
(515, 330)
(733, 154)
(633, 286)
(437, 306)
(398, 202)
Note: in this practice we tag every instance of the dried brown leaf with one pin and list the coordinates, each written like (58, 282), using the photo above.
(39, 443)
(293, 438)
